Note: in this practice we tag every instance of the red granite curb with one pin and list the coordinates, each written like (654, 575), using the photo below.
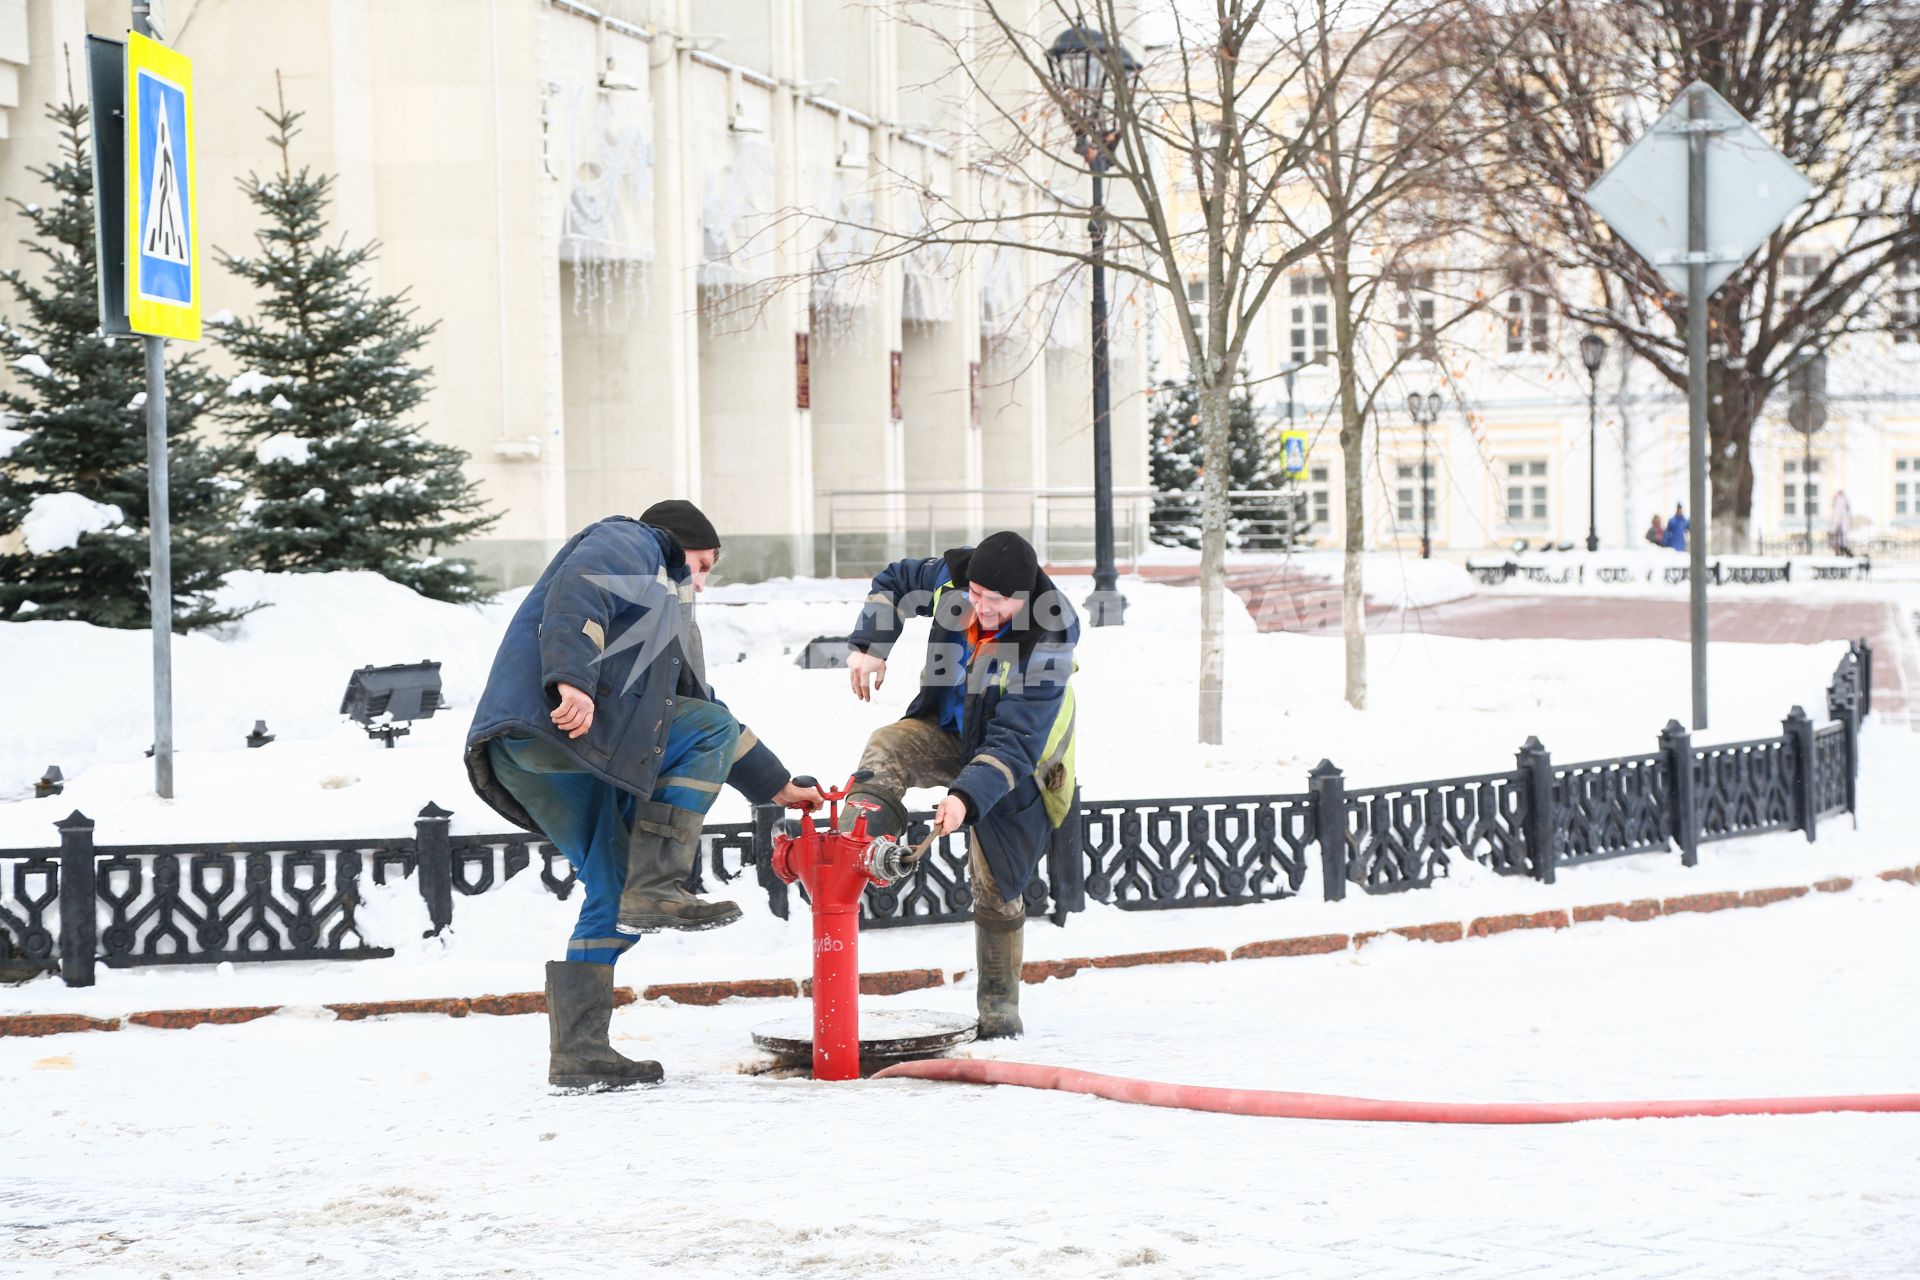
(1278, 948)
(898, 981)
(181, 1019)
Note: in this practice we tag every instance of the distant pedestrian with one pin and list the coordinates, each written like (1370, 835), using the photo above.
(1657, 531)
(1837, 529)
(1676, 533)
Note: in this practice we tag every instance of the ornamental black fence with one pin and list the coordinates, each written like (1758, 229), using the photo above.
(78, 905)
(1720, 574)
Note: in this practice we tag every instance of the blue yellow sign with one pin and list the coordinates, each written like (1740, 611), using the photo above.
(1293, 453)
(163, 260)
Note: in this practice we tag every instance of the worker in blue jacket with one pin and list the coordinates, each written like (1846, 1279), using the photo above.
(597, 730)
(992, 723)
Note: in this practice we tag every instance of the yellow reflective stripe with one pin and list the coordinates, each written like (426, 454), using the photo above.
(1005, 772)
(596, 633)
(691, 784)
(1060, 737)
(881, 597)
(748, 741)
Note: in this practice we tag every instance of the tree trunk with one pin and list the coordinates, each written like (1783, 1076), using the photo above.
(1215, 450)
(1353, 462)
(1731, 411)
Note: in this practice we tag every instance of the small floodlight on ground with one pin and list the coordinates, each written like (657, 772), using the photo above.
(259, 737)
(381, 699)
(50, 783)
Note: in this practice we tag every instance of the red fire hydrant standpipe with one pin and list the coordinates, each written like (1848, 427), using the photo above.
(1330, 1106)
(836, 867)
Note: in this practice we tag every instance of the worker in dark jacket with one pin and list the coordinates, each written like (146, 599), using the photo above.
(993, 723)
(598, 731)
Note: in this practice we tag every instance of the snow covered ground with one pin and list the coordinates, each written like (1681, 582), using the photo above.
(428, 1147)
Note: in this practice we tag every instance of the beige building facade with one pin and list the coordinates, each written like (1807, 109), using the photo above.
(620, 217)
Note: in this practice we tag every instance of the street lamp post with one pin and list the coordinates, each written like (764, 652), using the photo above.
(1080, 61)
(1593, 350)
(1426, 411)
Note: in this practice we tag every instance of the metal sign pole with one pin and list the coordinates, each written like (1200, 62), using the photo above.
(1697, 140)
(160, 542)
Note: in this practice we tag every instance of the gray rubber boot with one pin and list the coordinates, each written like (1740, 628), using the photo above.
(579, 1011)
(660, 857)
(997, 947)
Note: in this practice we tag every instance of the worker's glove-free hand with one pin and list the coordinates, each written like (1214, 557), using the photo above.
(574, 715)
(862, 667)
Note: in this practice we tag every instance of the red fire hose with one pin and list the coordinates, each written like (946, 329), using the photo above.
(1332, 1106)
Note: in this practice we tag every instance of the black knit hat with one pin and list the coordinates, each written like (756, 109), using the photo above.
(1004, 562)
(686, 522)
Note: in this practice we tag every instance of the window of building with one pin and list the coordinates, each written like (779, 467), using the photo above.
(1796, 487)
(1529, 315)
(1904, 314)
(1197, 290)
(1415, 315)
(1313, 502)
(1309, 310)
(1407, 491)
(1906, 490)
(1797, 271)
(1906, 122)
(1527, 492)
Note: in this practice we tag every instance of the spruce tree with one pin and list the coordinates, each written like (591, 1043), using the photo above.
(328, 375)
(76, 425)
(1175, 458)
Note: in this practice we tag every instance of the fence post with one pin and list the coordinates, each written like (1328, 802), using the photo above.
(1798, 728)
(1536, 764)
(1865, 654)
(1677, 743)
(1067, 864)
(1329, 790)
(1850, 718)
(77, 897)
(433, 865)
(764, 818)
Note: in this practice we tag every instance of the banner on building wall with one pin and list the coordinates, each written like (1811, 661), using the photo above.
(973, 392)
(893, 374)
(163, 262)
(802, 373)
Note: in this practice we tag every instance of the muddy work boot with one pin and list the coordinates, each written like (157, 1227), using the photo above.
(997, 947)
(579, 1011)
(665, 842)
(887, 816)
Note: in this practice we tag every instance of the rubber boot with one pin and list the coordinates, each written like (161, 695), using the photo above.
(888, 817)
(997, 948)
(579, 1011)
(660, 857)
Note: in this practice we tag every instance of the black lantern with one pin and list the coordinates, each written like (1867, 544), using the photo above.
(1425, 411)
(1082, 63)
(1593, 350)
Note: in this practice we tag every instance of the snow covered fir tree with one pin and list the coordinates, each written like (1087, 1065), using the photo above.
(1267, 523)
(73, 446)
(340, 478)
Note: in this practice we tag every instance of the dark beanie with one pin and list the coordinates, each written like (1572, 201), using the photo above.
(686, 522)
(1004, 562)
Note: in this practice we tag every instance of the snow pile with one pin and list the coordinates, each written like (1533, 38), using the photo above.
(10, 440)
(56, 521)
(34, 365)
(284, 447)
(252, 382)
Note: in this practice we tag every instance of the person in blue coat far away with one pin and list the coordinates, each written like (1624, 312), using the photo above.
(992, 723)
(1676, 535)
(598, 731)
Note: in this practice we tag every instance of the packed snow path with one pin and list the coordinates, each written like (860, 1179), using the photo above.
(423, 1146)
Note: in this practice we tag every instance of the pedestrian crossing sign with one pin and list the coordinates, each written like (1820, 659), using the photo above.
(1293, 453)
(163, 262)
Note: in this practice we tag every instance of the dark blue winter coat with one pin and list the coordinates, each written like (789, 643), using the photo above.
(1676, 535)
(1018, 728)
(558, 635)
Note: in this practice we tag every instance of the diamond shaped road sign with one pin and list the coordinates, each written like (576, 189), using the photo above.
(1751, 188)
